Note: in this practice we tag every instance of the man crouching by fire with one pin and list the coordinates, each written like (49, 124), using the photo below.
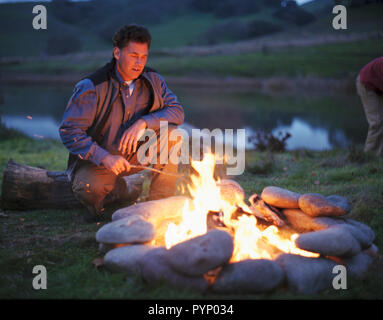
(107, 115)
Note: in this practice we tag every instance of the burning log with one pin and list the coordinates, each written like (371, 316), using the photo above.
(26, 187)
(264, 211)
(214, 220)
(234, 198)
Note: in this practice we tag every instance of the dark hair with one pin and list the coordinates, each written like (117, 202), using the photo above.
(132, 32)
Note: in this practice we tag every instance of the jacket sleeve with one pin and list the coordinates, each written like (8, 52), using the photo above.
(79, 115)
(172, 111)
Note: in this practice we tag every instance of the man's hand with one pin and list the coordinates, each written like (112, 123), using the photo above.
(116, 164)
(129, 140)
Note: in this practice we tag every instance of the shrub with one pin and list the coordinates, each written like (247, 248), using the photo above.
(225, 8)
(294, 14)
(267, 141)
(290, 4)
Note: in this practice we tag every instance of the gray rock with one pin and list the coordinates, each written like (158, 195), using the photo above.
(280, 198)
(306, 275)
(231, 191)
(330, 221)
(158, 212)
(249, 276)
(132, 229)
(339, 202)
(357, 265)
(364, 239)
(155, 269)
(302, 222)
(155, 211)
(126, 259)
(201, 254)
(363, 233)
(334, 241)
(105, 247)
(372, 251)
(316, 204)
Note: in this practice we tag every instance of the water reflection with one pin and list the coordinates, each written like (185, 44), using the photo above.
(314, 122)
(36, 126)
(305, 135)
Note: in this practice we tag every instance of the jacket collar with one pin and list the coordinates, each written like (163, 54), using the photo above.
(117, 82)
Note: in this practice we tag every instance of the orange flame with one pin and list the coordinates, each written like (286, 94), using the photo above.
(250, 242)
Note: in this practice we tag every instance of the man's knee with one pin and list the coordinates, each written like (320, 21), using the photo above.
(90, 192)
(91, 186)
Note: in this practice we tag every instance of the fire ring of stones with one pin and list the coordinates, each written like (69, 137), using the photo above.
(134, 242)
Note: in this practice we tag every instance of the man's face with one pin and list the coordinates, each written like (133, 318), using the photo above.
(131, 59)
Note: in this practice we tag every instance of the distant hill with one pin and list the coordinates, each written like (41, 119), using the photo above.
(88, 26)
(18, 38)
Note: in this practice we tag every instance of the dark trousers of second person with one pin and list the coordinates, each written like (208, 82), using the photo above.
(373, 109)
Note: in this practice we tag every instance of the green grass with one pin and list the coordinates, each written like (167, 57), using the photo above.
(330, 60)
(62, 242)
(46, 153)
(343, 60)
(180, 31)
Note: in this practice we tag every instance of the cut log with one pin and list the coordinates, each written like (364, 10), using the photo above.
(261, 209)
(26, 187)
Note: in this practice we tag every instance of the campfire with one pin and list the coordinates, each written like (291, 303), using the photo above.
(213, 240)
(209, 195)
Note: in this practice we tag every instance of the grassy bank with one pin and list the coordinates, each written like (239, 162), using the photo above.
(65, 244)
(327, 61)
(334, 61)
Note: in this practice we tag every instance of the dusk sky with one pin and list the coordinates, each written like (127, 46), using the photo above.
(4, 1)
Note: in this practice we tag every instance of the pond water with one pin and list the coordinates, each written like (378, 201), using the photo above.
(315, 121)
